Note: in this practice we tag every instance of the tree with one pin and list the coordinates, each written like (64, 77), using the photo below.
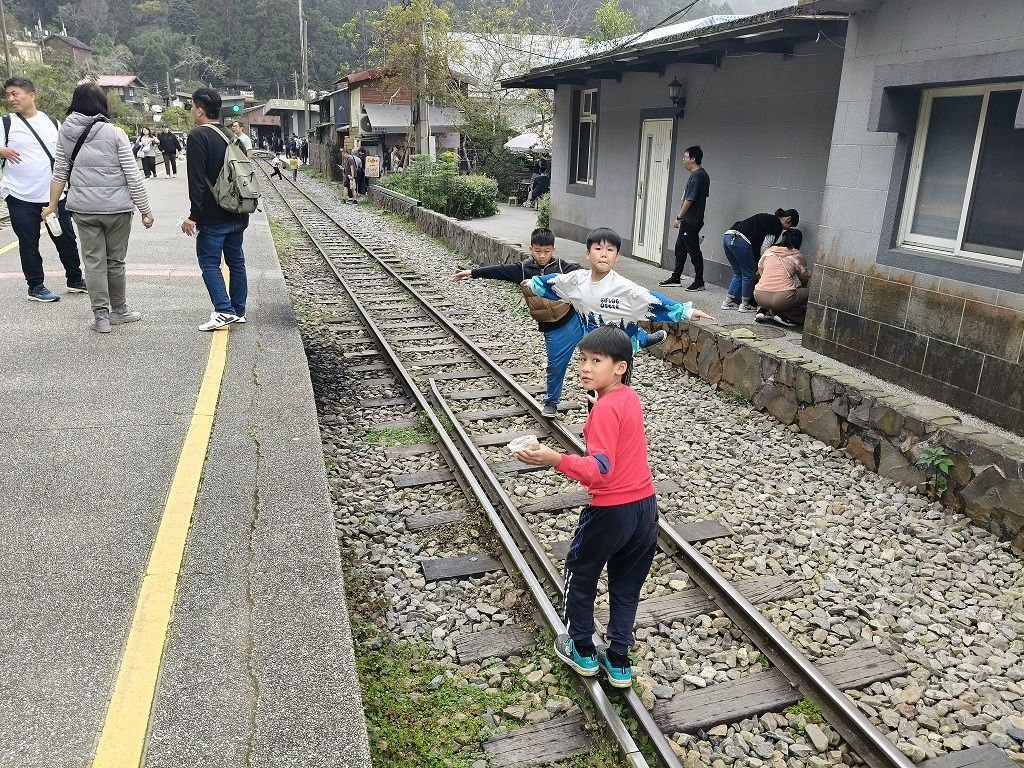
(610, 22)
(413, 48)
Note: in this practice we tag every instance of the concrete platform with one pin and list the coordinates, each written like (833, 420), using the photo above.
(258, 667)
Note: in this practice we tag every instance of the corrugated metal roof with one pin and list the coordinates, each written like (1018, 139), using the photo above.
(118, 81)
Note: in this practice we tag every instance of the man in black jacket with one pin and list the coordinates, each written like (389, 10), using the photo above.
(217, 231)
(169, 148)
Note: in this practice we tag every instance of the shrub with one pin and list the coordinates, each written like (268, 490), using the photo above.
(544, 211)
(439, 187)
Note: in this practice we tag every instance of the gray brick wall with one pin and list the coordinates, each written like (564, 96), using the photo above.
(946, 327)
(764, 123)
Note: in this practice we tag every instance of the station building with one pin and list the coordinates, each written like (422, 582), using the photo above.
(895, 127)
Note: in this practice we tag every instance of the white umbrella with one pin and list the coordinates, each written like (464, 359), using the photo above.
(526, 142)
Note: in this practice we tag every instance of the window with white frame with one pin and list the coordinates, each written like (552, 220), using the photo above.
(965, 192)
(584, 137)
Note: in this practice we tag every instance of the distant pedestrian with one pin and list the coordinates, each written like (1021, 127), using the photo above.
(104, 186)
(277, 164)
(396, 159)
(690, 220)
(361, 182)
(743, 244)
(147, 151)
(619, 527)
(304, 151)
(169, 148)
(781, 292)
(30, 143)
(349, 169)
(236, 128)
(293, 163)
(218, 232)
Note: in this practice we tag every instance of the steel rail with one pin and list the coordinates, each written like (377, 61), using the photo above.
(869, 743)
(452, 455)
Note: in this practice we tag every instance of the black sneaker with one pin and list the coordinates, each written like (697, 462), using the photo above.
(77, 287)
(550, 410)
(42, 293)
(655, 338)
(671, 281)
(695, 286)
(785, 322)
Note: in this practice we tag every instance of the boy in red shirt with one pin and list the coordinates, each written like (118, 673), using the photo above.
(620, 526)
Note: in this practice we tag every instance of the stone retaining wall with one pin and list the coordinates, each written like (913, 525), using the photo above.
(884, 432)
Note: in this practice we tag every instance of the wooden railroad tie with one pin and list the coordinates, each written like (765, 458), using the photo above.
(473, 564)
(548, 742)
(496, 643)
(767, 691)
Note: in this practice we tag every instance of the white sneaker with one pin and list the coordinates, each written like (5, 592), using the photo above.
(218, 320)
(729, 304)
(745, 307)
(240, 320)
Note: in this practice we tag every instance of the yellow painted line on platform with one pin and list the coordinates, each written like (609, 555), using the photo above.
(9, 246)
(123, 740)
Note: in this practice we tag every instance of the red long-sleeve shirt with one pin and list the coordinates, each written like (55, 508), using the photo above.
(615, 469)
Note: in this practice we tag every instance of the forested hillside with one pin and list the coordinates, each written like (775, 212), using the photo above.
(258, 40)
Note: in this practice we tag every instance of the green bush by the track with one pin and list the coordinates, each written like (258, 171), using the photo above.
(439, 187)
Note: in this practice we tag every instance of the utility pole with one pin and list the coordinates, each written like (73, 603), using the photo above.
(423, 123)
(305, 67)
(170, 94)
(7, 49)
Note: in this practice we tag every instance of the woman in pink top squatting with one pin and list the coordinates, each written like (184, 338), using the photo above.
(620, 525)
(781, 292)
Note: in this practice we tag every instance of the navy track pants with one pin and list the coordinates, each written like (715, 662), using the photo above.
(623, 537)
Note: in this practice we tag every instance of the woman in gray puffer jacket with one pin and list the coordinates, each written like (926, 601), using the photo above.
(105, 186)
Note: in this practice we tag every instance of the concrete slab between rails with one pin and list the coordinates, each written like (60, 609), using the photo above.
(882, 426)
(259, 664)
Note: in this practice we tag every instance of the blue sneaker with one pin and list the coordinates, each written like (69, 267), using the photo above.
(619, 677)
(566, 651)
(42, 293)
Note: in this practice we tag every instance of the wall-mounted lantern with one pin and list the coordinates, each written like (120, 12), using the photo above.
(675, 92)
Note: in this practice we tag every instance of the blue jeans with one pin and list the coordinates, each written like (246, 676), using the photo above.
(25, 222)
(744, 267)
(560, 344)
(211, 241)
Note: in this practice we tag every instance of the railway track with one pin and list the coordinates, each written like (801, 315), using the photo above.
(475, 406)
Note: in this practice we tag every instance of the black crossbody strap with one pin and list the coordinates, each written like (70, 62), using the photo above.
(41, 143)
(81, 142)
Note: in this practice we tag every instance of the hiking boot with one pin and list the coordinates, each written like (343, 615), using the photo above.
(101, 321)
(125, 314)
(655, 338)
(42, 293)
(730, 303)
(696, 285)
(671, 281)
(77, 287)
(566, 651)
(618, 676)
(550, 410)
(218, 320)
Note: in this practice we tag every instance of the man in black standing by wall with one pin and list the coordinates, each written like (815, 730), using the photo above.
(217, 231)
(690, 220)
